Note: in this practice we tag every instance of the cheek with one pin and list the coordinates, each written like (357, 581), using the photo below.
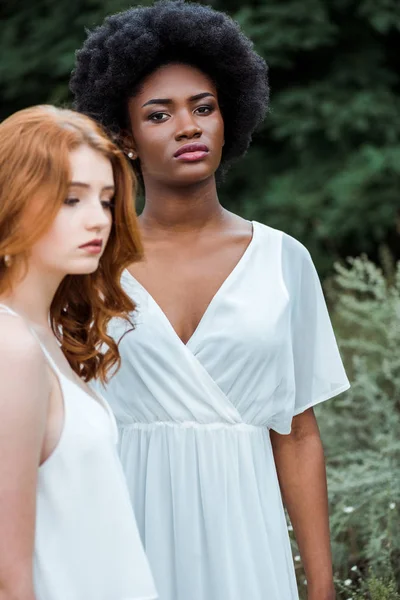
(218, 135)
(152, 141)
(108, 229)
(62, 229)
(220, 128)
(56, 238)
(215, 129)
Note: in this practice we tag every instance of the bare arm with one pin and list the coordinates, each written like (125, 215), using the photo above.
(300, 464)
(24, 392)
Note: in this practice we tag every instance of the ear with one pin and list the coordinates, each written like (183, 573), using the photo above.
(128, 144)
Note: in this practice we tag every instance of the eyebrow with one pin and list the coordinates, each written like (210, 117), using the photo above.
(86, 185)
(169, 101)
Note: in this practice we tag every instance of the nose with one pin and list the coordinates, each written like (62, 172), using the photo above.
(98, 219)
(188, 127)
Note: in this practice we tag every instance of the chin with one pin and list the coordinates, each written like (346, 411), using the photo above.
(191, 177)
(86, 268)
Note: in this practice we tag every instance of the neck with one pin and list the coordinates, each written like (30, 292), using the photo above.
(181, 209)
(32, 296)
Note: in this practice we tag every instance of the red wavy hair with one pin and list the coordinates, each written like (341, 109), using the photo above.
(34, 176)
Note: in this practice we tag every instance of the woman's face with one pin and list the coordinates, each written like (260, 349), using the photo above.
(178, 130)
(85, 217)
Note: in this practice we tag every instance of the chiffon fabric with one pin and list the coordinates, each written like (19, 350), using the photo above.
(87, 545)
(194, 422)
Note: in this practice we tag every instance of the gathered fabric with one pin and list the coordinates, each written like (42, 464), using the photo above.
(195, 420)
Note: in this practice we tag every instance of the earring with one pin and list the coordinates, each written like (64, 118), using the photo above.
(131, 155)
(7, 260)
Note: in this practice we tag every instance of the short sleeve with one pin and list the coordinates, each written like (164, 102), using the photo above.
(317, 366)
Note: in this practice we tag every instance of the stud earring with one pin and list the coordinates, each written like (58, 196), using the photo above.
(131, 155)
(7, 260)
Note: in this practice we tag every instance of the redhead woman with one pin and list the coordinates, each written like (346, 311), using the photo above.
(233, 345)
(67, 230)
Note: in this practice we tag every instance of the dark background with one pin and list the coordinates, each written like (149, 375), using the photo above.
(325, 167)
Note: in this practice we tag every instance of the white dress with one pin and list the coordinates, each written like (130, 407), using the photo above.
(194, 422)
(87, 546)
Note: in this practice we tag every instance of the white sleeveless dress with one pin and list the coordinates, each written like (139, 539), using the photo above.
(194, 422)
(87, 545)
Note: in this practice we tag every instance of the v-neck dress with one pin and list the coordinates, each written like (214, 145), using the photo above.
(194, 422)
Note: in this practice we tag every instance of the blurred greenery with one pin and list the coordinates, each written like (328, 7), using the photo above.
(360, 431)
(325, 166)
(361, 428)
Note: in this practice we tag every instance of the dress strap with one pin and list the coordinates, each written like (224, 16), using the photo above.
(60, 375)
(50, 360)
(8, 310)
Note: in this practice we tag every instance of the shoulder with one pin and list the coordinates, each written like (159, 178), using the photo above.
(20, 353)
(293, 261)
(26, 387)
(290, 248)
(296, 259)
(16, 340)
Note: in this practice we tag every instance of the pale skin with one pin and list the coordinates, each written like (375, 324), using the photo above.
(31, 404)
(191, 245)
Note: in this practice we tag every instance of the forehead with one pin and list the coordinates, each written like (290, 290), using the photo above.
(89, 165)
(175, 81)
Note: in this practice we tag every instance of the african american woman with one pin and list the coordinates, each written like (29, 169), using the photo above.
(233, 345)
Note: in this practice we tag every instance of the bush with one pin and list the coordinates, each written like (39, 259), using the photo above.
(372, 588)
(378, 589)
(361, 428)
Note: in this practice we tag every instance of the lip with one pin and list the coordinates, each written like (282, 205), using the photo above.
(192, 152)
(93, 244)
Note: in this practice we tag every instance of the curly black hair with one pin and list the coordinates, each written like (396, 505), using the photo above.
(128, 46)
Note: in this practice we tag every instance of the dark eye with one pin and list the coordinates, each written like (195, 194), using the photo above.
(71, 201)
(158, 117)
(204, 110)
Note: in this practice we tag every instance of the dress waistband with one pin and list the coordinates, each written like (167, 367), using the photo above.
(192, 425)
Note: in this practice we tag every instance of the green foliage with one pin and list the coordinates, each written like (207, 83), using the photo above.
(326, 161)
(39, 40)
(361, 428)
(377, 589)
(370, 588)
(325, 167)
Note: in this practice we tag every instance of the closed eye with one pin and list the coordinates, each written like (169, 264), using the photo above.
(71, 201)
(107, 204)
